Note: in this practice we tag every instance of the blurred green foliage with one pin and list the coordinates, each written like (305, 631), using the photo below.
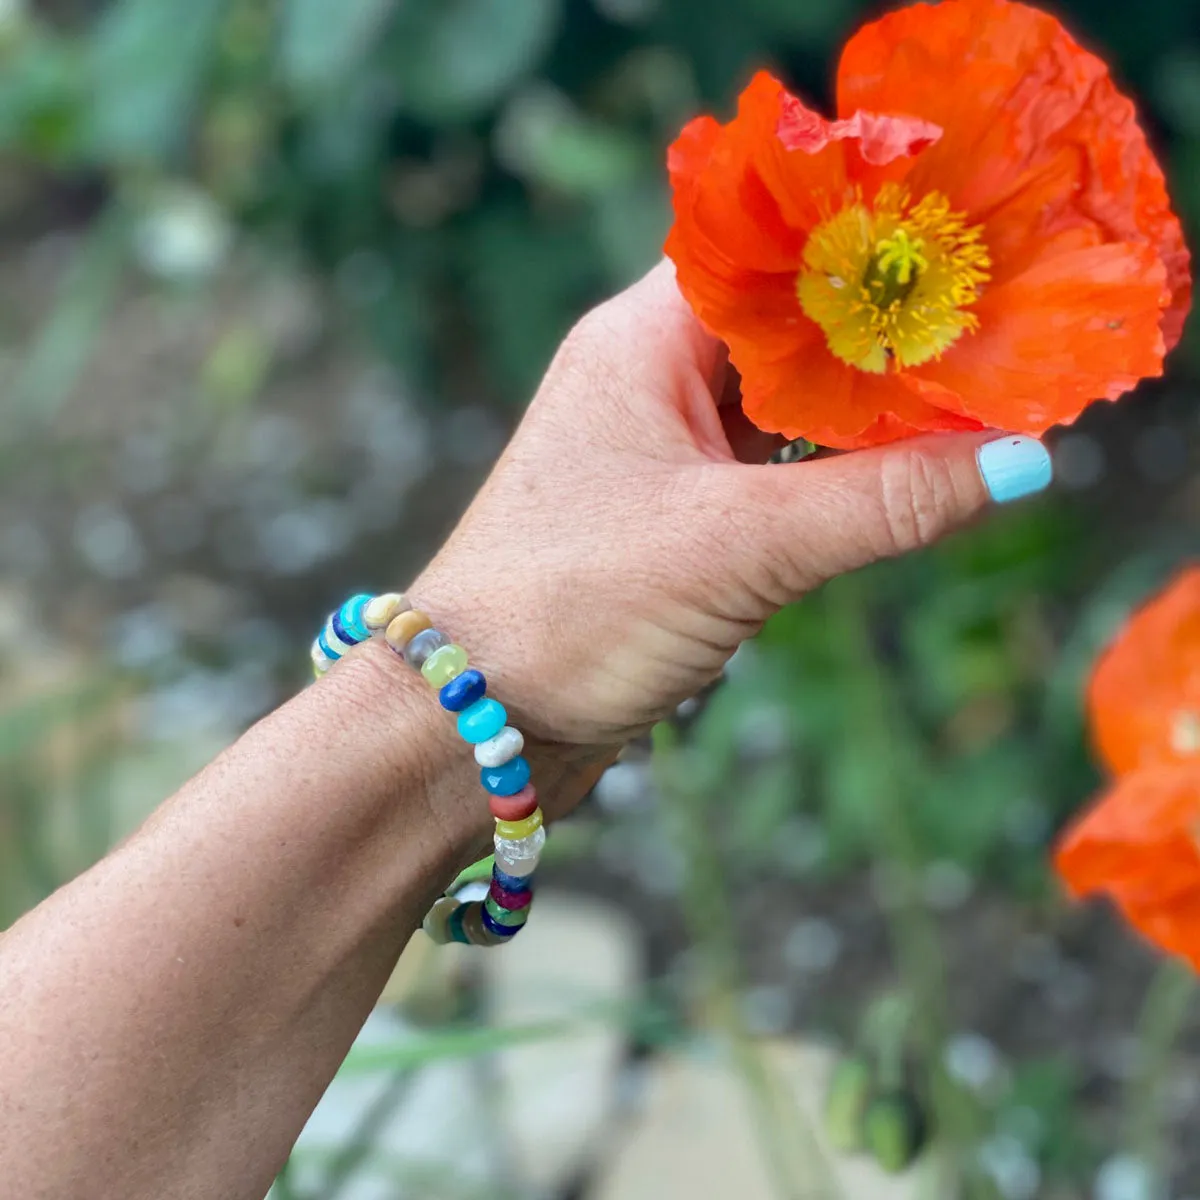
(468, 176)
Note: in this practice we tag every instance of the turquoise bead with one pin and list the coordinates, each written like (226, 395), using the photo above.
(506, 779)
(353, 618)
(484, 719)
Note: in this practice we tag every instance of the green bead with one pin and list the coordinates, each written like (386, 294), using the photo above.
(444, 665)
(505, 916)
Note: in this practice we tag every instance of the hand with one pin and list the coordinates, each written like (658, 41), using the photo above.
(621, 551)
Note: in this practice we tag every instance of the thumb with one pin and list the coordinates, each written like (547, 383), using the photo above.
(803, 524)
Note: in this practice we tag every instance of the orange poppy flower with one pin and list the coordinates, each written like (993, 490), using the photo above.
(1144, 697)
(1140, 846)
(983, 237)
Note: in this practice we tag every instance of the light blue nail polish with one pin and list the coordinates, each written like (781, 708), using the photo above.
(1013, 467)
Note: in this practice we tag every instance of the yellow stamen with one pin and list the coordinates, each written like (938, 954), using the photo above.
(892, 282)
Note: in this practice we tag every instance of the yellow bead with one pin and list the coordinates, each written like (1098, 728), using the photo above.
(514, 831)
(473, 926)
(379, 612)
(444, 665)
(402, 629)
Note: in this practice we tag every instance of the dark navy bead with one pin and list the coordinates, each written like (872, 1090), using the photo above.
(463, 691)
(340, 630)
(511, 883)
(506, 779)
(493, 926)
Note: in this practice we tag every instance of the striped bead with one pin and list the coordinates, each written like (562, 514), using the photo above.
(508, 743)
(516, 831)
(444, 665)
(516, 807)
(348, 621)
(484, 719)
(506, 779)
(464, 691)
(381, 610)
(494, 927)
(403, 628)
(331, 650)
(511, 918)
(336, 641)
(335, 644)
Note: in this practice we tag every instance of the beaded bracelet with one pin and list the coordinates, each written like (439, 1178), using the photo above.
(483, 723)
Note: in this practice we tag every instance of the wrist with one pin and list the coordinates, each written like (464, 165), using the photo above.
(407, 754)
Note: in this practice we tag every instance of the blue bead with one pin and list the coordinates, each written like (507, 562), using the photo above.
(494, 926)
(348, 623)
(340, 630)
(506, 779)
(353, 618)
(326, 648)
(462, 692)
(483, 720)
(511, 883)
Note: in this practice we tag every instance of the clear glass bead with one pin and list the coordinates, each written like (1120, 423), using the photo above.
(521, 853)
(423, 645)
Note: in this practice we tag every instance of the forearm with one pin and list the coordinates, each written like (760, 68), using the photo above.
(175, 1013)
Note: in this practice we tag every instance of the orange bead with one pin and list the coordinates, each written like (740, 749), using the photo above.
(516, 807)
(402, 629)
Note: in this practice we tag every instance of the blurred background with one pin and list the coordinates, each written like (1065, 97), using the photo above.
(278, 277)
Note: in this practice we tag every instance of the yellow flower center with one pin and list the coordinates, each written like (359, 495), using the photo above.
(894, 281)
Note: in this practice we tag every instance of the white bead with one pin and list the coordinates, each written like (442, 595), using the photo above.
(333, 641)
(496, 751)
(435, 920)
(380, 611)
(320, 659)
(519, 856)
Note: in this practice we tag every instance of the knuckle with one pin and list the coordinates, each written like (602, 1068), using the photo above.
(918, 498)
(584, 365)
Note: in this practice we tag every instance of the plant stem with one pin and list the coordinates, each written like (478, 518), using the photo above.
(1164, 1013)
(709, 914)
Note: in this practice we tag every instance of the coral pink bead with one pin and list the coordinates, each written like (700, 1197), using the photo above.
(516, 807)
(510, 900)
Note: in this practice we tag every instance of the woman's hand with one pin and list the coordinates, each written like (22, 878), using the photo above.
(615, 559)
(630, 537)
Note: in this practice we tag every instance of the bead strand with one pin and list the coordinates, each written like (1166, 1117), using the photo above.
(483, 724)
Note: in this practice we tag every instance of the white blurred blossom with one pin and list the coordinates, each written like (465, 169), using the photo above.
(182, 234)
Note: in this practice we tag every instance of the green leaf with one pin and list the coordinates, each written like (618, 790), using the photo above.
(321, 43)
(144, 68)
(457, 57)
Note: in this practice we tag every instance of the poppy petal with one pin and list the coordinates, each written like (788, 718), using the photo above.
(1138, 846)
(1037, 137)
(811, 394)
(1144, 696)
(1073, 328)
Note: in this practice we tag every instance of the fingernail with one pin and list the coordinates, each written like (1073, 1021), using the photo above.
(1013, 467)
